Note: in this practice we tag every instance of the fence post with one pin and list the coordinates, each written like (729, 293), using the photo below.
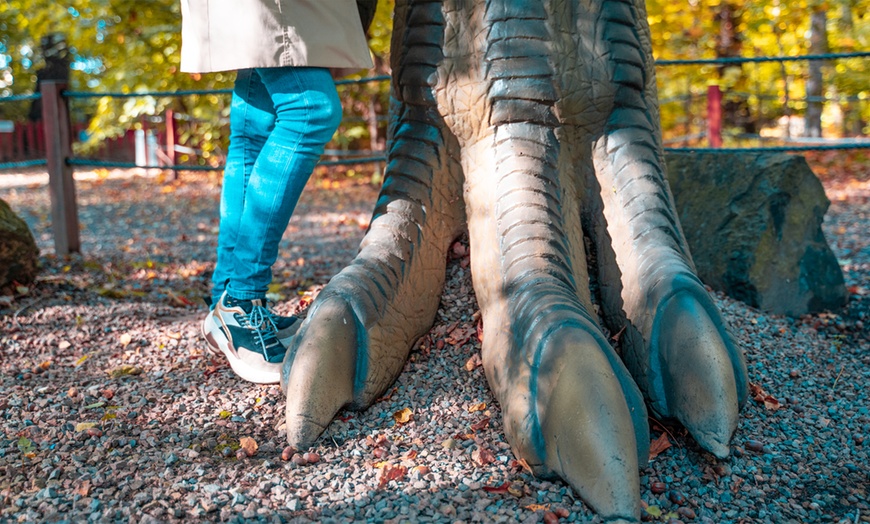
(714, 116)
(64, 215)
(170, 135)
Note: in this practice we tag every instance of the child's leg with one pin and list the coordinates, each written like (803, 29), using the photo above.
(308, 112)
(252, 119)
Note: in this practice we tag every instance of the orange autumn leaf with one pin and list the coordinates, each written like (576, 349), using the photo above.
(389, 473)
(473, 363)
(305, 301)
(659, 445)
(523, 465)
(477, 407)
(420, 470)
(404, 416)
(249, 445)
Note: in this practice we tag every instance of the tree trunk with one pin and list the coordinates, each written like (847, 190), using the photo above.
(815, 88)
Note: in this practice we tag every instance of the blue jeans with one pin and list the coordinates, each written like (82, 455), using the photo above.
(280, 121)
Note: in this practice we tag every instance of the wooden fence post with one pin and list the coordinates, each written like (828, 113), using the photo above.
(170, 141)
(64, 214)
(714, 116)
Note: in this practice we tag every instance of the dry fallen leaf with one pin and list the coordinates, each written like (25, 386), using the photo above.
(249, 445)
(477, 407)
(501, 488)
(389, 473)
(473, 363)
(124, 371)
(305, 301)
(404, 416)
(525, 465)
(420, 470)
(84, 426)
(763, 397)
(387, 396)
(659, 445)
(482, 457)
(84, 488)
(483, 423)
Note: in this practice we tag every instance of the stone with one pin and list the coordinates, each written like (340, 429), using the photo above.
(753, 225)
(19, 255)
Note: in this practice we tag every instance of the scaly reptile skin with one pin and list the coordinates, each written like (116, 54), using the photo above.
(534, 125)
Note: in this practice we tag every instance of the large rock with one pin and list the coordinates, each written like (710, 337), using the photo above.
(753, 223)
(18, 252)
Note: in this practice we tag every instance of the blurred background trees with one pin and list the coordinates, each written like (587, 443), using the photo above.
(128, 46)
(763, 96)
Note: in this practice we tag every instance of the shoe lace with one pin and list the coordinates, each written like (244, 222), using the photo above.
(260, 321)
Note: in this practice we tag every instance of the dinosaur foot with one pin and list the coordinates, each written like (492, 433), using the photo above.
(586, 421)
(701, 375)
(319, 370)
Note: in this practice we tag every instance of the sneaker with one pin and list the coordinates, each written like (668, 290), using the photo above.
(286, 326)
(248, 335)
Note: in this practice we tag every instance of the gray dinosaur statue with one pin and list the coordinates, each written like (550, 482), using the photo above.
(533, 125)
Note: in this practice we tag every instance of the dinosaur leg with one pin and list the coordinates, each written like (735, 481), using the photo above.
(570, 407)
(359, 330)
(675, 342)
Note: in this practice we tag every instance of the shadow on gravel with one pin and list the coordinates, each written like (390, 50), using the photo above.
(111, 410)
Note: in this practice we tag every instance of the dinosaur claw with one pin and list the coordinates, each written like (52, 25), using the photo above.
(593, 423)
(701, 376)
(319, 369)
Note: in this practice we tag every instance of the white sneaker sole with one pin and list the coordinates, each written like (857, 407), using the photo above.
(219, 344)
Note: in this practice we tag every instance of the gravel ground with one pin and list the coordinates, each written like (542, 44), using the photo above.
(111, 410)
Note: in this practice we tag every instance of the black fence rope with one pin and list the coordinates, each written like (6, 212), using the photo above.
(88, 94)
(768, 149)
(89, 162)
(15, 98)
(92, 162)
(755, 59)
(23, 164)
(698, 61)
(370, 159)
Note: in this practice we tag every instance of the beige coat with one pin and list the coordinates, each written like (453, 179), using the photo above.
(222, 35)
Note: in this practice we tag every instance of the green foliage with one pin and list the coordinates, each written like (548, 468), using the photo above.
(693, 29)
(124, 46)
(131, 46)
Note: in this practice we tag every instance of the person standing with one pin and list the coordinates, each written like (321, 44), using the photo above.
(285, 109)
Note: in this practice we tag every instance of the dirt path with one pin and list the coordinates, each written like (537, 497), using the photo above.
(111, 411)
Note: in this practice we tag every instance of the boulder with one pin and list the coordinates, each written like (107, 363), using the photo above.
(19, 255)
(753, 224)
